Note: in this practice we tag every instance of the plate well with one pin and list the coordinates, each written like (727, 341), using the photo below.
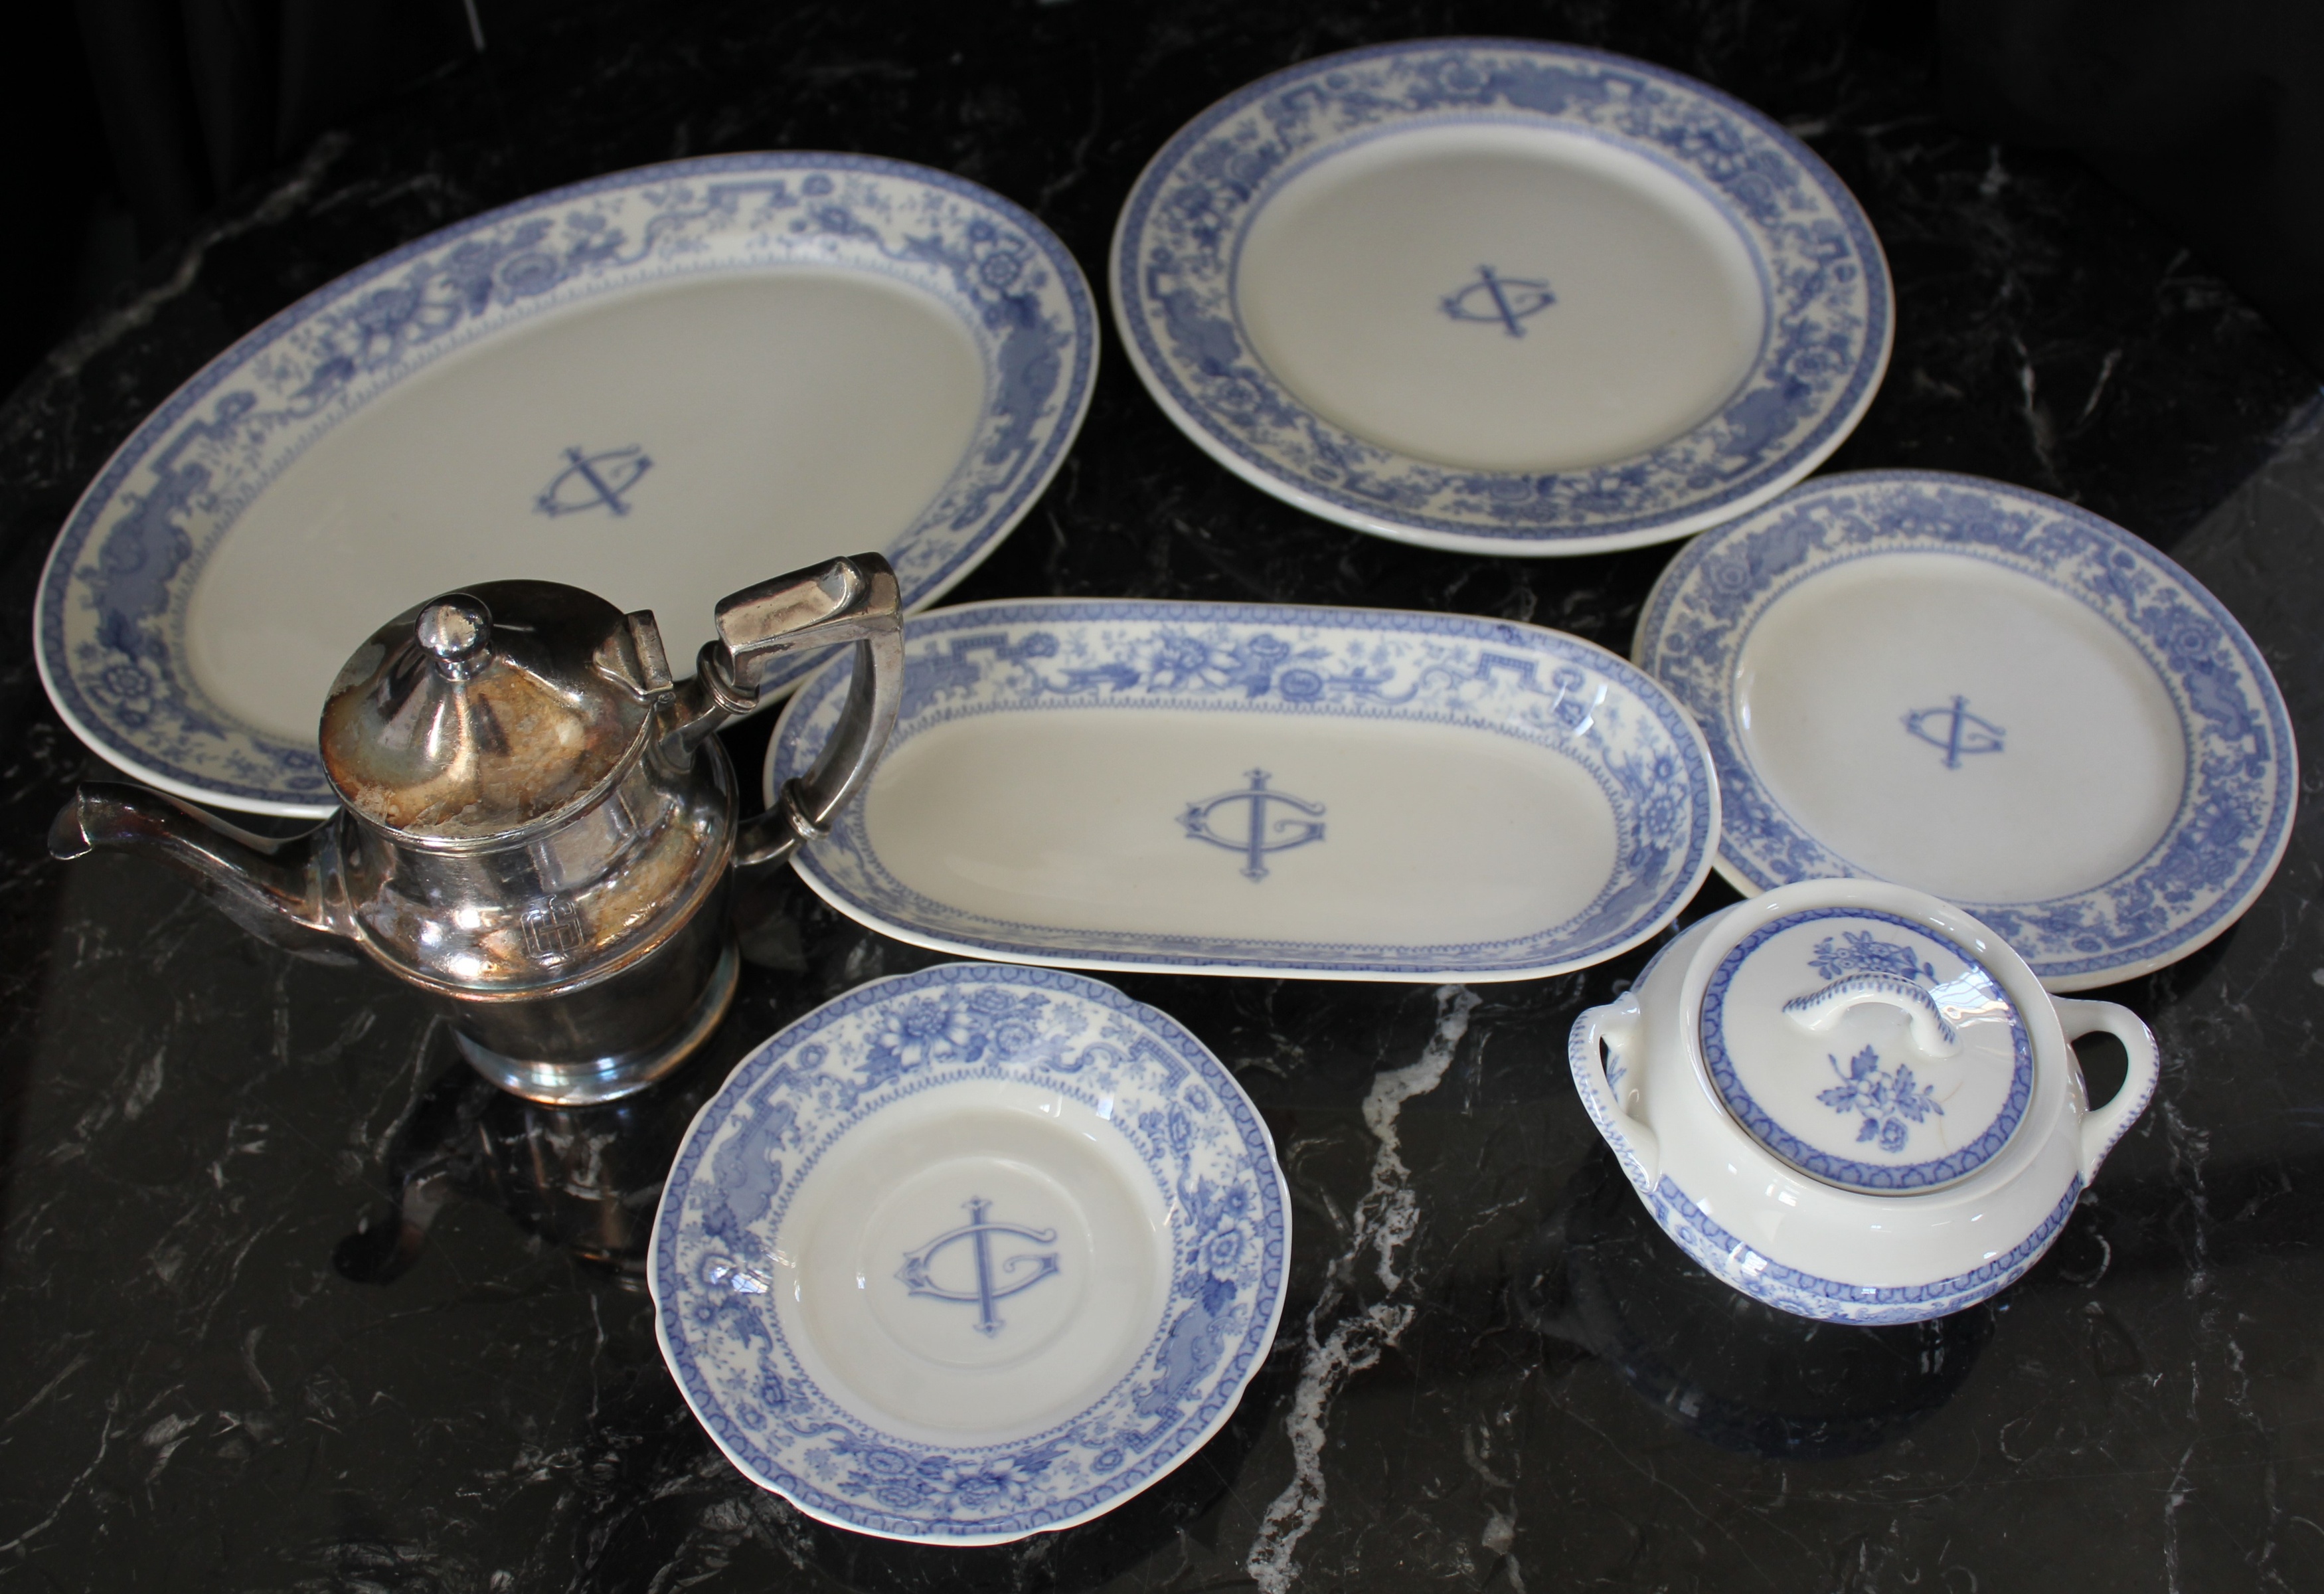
(1080, 822)
(1952, 723)
(1009, 1266)
(1544, 299)
(647, 448)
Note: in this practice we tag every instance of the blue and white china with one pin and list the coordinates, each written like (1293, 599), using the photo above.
(657, 385)
(1248, 789)
(1990, 695)
(1853, 1101)
(1501, 296)
(970, 1254)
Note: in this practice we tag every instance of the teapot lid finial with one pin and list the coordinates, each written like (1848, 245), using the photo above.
(457, 629)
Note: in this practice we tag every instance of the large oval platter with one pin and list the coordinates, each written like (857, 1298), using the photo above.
(660, 386)
(1501, 296)
(1989, 695)
(970, 1254)
(1248, 789)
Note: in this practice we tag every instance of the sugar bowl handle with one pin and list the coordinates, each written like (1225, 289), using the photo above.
(2103, 1125)
(1634, 1145)
(852, 599)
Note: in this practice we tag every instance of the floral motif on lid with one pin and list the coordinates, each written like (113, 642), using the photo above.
(1866, 1050)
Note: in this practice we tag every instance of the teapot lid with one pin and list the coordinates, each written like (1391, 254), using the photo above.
(488, 711)
(1866, 1050)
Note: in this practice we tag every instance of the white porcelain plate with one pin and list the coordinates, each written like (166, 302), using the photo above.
(1991, 696)
(660, 386)
(1500, 296)
(970, 1254)
(1246, 789)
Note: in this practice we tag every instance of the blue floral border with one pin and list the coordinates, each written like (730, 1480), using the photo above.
(2235, 817)
(1845, 1171)
(1830, 321)
(1196, 1084)
(125, 556)
(1808, 1294)
(1660, 784)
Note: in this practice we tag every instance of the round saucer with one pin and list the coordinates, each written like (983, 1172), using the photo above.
(1501, 296)
(969, 1254)
(1987, 694)
(660, 386)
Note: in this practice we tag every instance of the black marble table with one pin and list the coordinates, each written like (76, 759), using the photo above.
(288, 1300)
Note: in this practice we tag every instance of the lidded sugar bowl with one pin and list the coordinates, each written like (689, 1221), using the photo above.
(537, 825)
(1853, 1101)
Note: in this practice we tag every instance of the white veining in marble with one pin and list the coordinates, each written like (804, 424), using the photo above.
(1384, 1221)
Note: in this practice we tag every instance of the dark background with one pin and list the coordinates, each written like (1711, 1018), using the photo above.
(289, 1300)
(141, 116)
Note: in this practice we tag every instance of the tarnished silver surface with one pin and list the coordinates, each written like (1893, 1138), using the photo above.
(537, 825)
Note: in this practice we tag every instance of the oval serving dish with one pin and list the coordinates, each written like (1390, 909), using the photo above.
(657, 386)
(970, 1254)
(1247, 788)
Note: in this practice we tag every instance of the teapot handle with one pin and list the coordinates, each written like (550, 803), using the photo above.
(1635, 1144)
(853, 599)
(2102, 1127)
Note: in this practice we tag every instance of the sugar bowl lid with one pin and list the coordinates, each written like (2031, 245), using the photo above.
(1866, 1049)
(488, 711)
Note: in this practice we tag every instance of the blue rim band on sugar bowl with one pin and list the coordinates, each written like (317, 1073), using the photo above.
(1808, 1294)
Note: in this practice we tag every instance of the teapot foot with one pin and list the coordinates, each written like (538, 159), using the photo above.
(584, 1082)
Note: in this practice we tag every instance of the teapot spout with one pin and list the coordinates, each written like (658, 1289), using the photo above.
(280, 891)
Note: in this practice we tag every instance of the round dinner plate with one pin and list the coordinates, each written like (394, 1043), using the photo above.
(970, 1254)
(661, 385)
(1987, 694)
(1501, 297)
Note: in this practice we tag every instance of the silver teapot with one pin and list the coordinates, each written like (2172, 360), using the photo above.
(537, 826)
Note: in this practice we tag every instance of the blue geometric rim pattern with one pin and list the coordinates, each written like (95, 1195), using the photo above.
(1846, 1170)
(110, 628)
(1806, 1294)
(1062, 655)
(1829, 316)
(2235, 816)
(1176, 1104)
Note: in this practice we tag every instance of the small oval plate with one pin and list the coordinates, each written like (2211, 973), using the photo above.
(1501, 297)
(1246, 789)
(660, 386)
(1989, 695)
(970, 1254)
